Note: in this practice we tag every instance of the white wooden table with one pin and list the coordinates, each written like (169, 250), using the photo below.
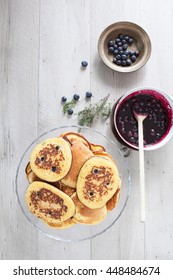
(42, 44)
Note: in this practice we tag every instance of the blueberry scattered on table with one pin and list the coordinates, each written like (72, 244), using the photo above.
(84, 63)
(76, 97)
(88, 94)
(70, 111)
(121, 50)
(64, 99)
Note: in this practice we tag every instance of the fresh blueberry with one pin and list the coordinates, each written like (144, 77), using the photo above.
(128, 62)
(110, 43)
(132, 53)
(70, 111)
(114, 60)
(130, 40)
(120, 48)
(118, 56)
(64, 99)
(124, 57)
(115, 46)
(115, 51)
(123, 62)
(126, 37)
(84, 63)
(137, 53)
(124, 41)
(119, 44)
(76, 97)
(126, 52)
(111, 49)
(118, 62)
(125, 46)
(121, 36)
(88, 94)
(121, 52)
(117, 40)
(133, 58)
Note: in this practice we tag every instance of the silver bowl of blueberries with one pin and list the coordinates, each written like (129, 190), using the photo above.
(124, 47)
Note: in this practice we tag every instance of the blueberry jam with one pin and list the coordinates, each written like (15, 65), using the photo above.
(156, 125)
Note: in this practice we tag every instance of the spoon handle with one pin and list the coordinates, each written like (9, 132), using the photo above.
(141, 169)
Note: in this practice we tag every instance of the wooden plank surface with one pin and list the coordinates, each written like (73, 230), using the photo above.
(42, 46)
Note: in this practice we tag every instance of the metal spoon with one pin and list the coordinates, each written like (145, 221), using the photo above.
(140, 118)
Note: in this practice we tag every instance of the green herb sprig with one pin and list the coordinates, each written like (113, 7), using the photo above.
(69, 105)
(87, 116)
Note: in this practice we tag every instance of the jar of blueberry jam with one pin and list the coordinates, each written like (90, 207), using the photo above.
(158, 125)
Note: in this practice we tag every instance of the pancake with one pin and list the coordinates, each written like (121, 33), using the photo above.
(74, 136)
(30, 175)
(112, 203)
(48, 203)
(85, 215)
(103, 154)
(66, 189)
(97, 182)
(80, 153)
(28, 168)
(96, 147)
(51, 160)
(62, 225)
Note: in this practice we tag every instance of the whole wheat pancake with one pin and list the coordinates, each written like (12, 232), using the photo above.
(48, 203)
(80, 153)
(97, 182)
(85, 215)
(62, 225)
(74, 136)
(51, 159)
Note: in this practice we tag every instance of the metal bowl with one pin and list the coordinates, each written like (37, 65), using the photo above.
(141, 42)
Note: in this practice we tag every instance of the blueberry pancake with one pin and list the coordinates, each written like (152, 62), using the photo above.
(48, 203)
(51, 160)
(97, 182)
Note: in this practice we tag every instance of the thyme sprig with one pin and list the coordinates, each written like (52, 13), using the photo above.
(102, 109)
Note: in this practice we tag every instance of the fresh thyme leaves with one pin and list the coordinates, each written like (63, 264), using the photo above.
(101, 109)
(68, 105)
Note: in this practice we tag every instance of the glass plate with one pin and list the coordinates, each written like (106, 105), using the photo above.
(77, 232)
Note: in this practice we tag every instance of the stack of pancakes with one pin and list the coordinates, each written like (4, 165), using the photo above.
(71, 181)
